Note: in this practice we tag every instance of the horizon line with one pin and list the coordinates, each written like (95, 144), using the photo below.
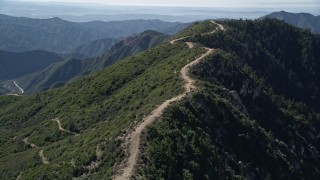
(258, 5)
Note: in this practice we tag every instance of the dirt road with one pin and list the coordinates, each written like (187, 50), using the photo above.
(133, 140)
(43, 157)
(176, 40)
(220, 26)
(61, 128)
(20, 89)
(41, 153)
(25, 140)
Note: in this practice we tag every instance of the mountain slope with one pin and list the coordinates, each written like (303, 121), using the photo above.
(302, 20)
(14, 65)
(107, 102)
(253, 115)
(127, 47)
(56, 35)
(95, 48)
(60, 73)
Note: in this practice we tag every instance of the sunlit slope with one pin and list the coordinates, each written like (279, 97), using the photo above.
(65, 72)
(99, 107)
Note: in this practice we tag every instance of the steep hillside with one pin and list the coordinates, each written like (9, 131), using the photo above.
(95, 48)
(14, 65)
(127, 47)
(4, 90)
(302, 20)
(233, 101)
(60, 36)
(255, 116)
(99, 107)
(59, 74)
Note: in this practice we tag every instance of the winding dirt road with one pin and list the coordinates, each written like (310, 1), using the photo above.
(25, 140)
(133, 140)
(41, 153)
(20, 89)
(135, 137)
(220, 26)
(61, 128)
(43, 157)
(176, 40)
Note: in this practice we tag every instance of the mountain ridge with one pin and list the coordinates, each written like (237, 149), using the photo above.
(250, 118)
(142, 74)
(254, 115)
(302, 20)
(59, 74)
(60, 36)
(134, 138)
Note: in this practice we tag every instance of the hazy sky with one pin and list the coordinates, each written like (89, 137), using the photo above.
(203, 3)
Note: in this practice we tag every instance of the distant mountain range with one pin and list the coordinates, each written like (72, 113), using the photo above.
(39, 75)
(302, 20)
(60, 73)
(19, 34)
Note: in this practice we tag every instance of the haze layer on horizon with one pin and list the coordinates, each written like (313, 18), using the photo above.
(167, 10)
(200, 3)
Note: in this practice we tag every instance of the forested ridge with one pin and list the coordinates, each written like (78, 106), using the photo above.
(255, 114)
(99, 107)
(302, 20)
(62, 73)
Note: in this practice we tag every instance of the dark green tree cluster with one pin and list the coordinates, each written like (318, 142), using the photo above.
(256, 115)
